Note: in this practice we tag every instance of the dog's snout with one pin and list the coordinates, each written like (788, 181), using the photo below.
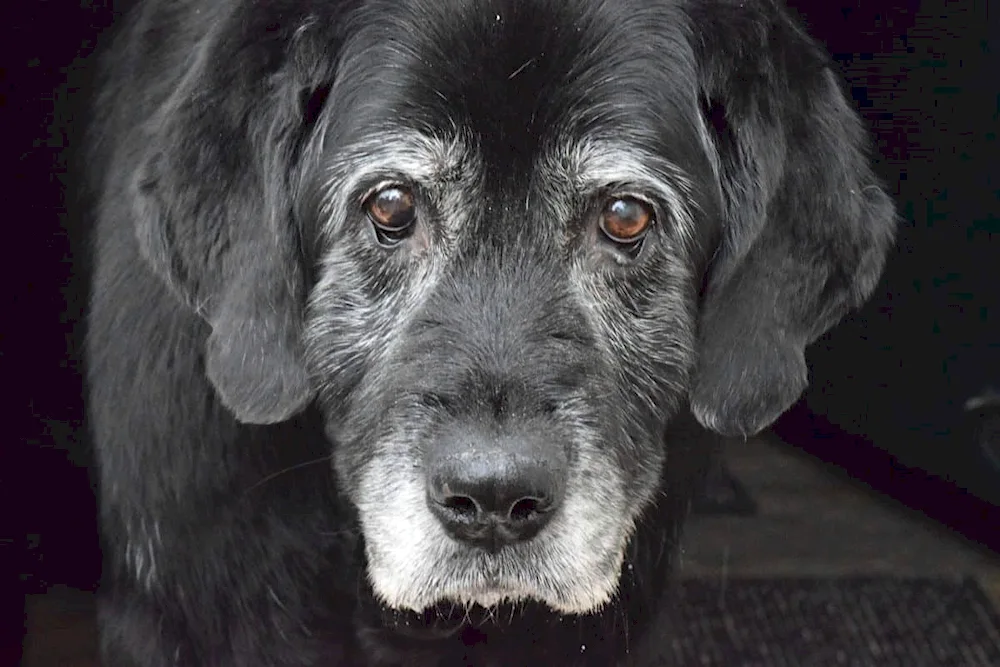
(493, 496)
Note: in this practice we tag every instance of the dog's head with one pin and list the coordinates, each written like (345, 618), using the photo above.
(502, 244)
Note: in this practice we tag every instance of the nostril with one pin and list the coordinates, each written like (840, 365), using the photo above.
(463, 507)
(526, 509)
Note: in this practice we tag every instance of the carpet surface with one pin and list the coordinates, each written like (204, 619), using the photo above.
(860, 622)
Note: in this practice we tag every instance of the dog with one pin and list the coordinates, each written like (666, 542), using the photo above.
(414, 323)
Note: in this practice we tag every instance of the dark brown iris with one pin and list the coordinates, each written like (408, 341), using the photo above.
(392, 209)
(626, 219)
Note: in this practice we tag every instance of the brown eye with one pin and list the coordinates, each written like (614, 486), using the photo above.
(392, 210)
(626, 220)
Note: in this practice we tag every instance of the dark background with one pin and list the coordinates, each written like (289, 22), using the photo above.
(888, 385)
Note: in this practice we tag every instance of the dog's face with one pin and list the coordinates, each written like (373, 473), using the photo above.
(537, 231)
(512, 246)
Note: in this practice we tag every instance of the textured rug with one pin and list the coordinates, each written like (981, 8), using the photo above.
(861, 622)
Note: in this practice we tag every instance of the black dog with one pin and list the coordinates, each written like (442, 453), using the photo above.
(411, 317)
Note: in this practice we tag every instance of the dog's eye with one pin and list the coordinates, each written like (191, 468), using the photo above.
(392, 210)
(625, 220)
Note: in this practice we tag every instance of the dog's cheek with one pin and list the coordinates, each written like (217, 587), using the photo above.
(347, 325)
(359, 312)
(648, 333)
(647, 330)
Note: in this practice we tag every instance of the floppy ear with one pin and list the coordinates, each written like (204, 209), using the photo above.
(806, 226)
(214, 213)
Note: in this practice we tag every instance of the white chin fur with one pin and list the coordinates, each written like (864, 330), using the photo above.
(573, 566)
(574, 600)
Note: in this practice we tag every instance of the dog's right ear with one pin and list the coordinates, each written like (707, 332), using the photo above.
(213, 201)
(806, 224)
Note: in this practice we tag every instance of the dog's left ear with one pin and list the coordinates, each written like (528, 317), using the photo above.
(213, 201)
(806, 225)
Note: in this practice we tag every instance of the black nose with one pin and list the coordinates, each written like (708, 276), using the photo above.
(492, 497)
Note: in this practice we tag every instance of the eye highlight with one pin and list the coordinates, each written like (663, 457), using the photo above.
(625, 220)
(392, 210)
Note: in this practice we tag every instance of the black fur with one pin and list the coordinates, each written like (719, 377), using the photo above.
(230, 353)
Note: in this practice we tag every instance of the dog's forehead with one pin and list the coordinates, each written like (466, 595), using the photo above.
(516, 76)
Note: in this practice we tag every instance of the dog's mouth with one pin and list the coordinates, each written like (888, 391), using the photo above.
(446, 619)
(438, 622)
